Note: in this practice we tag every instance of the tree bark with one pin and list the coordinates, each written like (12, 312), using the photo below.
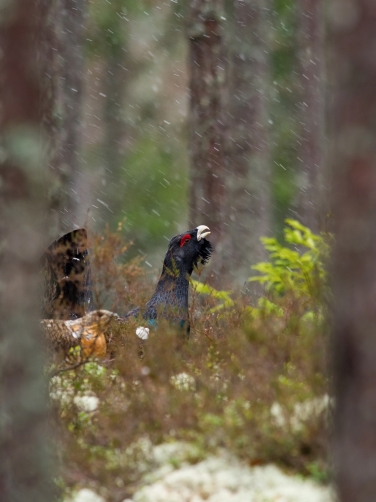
(249, 195)
(25, 467)
(116, 87)
(352, 62)
(47, 66)
(207, 70)
(66, 161)
(311, 111)
(114, 133)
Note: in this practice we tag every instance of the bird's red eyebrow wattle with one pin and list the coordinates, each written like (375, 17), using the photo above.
(184, 239)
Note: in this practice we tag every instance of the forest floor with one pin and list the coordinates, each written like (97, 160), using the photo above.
(239, 412)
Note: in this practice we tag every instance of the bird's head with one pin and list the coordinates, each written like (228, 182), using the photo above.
(188, 250)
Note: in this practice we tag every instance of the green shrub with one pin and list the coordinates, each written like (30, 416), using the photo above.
(295, 270)
(298, 268)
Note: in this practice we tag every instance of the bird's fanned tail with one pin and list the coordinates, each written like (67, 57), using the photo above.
(67, 277)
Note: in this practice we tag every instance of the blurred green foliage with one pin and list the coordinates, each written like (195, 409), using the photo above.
(155, 190)
(224, 298)
(148, 39)
(139, 147)
(297, 268)
(283, 109)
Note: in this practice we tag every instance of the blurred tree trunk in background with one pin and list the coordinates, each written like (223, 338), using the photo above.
(207, 75)
(114, 130)
(64, 197)
(47, 52)
(311, 108)
(115, 89)
(25, 467)
(352, 64)
(249, 194)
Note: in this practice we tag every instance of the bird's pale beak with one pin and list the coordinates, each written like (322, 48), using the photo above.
(202, 231)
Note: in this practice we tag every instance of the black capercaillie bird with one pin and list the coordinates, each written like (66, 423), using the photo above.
(185, 252)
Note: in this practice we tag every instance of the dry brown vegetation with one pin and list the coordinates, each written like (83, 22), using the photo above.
(253, 385)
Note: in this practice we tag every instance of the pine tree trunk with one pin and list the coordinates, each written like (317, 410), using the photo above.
(207, 70)
(116, 80)
(25, 466)
(352, 64)
(311, 110)
(249, 142)
(114, 130)
(66, 162)
(47, 65)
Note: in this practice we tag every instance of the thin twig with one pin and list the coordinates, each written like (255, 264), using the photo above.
(51, 374)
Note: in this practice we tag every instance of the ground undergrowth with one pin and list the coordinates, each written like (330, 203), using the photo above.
(251, 380)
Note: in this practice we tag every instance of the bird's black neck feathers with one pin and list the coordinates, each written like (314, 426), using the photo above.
(170, 299)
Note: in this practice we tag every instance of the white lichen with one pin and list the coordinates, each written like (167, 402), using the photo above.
(63, 391)
(88, 403)
(183, 381)
(223, 478)
(86, 495)
(302, 412)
